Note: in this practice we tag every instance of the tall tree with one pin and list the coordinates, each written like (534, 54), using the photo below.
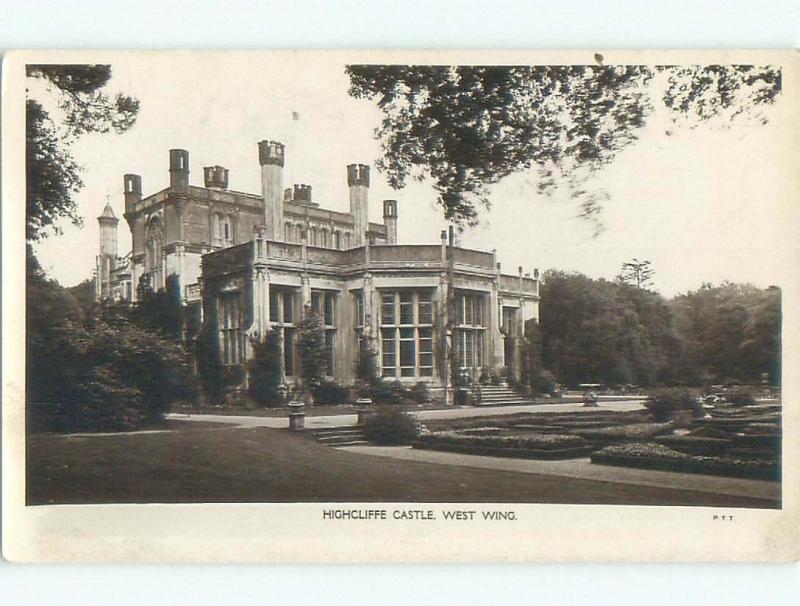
(466, 127)
(637, 272)
(53, 175)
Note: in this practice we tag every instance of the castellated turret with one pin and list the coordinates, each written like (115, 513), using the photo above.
(215, 177)
(390, 220)
(132, 186)
(358, 181)
(271, 156)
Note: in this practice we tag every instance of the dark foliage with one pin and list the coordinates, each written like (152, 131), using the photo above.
(419, 392)
(311, 349)
(390, 426)
(468, 126)
(664, 403)
(330, 392)
(265, 370)
(53, 176)
(385, 392)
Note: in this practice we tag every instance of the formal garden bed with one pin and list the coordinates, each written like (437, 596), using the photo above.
(529, 446)
(673, 432)
(661, 457)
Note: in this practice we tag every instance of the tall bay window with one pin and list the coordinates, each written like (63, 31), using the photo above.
(406, 334)
(323, 303)
(230, 329)
(470, 330)
(282, 317)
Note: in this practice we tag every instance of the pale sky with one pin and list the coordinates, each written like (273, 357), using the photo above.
(704, 205)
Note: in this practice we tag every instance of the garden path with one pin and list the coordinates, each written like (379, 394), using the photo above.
(346, 420)
(585, 470)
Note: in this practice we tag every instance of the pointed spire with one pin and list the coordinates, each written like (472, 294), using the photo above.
(108, 212)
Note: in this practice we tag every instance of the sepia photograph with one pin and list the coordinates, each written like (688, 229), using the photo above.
(399, 289)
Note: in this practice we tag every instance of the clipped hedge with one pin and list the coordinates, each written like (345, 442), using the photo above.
(532, 446)
(657, 456)
(696, 444)
(621, 433)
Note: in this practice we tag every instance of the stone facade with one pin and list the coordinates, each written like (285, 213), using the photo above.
(252, 263)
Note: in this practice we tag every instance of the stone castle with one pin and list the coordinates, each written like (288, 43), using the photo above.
(245, 264)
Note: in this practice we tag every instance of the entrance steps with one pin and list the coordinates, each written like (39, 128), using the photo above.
(340, 436)
(501, 395)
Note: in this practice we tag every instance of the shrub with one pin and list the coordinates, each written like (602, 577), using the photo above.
(385, 392)
(664, 403)
(391, 426)
(330, 392)
(311, 348)
(419, 392)
(265, 370)
(740, 397)
(110, 378)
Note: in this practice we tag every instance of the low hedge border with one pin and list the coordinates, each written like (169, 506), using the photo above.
(516, 453)
(665, 459)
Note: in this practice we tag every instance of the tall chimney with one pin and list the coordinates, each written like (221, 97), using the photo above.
(271, 155)
(358, 180)
(132, 186)
(179, 170)
(390, 220)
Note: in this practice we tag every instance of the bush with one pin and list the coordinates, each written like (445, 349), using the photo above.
(330, 392)
(391, 426)
(740, 397)
(265, 370)
(109, 378)
(664, 403)
(385, 392)
(419, 392)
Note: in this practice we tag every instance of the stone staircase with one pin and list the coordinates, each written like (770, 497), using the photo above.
(340, 436)
(501, 395)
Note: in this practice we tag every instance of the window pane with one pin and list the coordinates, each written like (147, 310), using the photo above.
(407, 372)
(316, 302)
(479, 311)
(406, 307)
(330, 349)
(424, 309)
(407, 353)
(288, 308)
(425, 333)
(406, 333)
(389, 372)
(426, 372)
(387, 308)
(425, 345)
(468, 310)
(330, 308)
(425, 359)
(274, 306)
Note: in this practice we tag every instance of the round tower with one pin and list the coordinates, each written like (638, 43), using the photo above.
(107, 257)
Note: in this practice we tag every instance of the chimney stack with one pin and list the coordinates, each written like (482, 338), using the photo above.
(390, 220)
(302, 192)
(179, 170)
(215, 177)
(132, 186)
(358, 180)
(271, 155)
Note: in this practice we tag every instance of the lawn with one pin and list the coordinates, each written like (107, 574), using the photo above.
(195, 464)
